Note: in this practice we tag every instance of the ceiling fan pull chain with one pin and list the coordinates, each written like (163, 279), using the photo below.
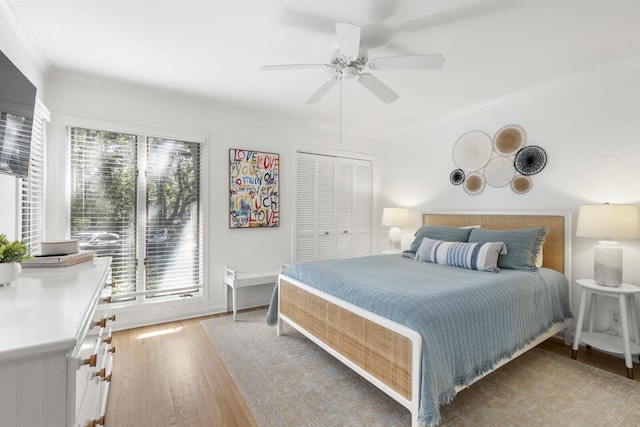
(340, 111)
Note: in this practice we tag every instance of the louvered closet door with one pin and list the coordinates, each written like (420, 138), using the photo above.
(362, 208)
(333, 207)
(344, 208)
(326, 207)
(306, 207)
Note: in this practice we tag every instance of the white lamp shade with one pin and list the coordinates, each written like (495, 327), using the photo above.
(395, 217)
(608, 221)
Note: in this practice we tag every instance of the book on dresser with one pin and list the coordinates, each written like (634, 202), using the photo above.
(59, 260)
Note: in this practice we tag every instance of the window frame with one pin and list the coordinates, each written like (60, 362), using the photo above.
(147, 132)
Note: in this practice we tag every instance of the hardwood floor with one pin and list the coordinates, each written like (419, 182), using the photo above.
(171, 375)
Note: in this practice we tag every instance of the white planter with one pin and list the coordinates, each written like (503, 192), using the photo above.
(8, 272)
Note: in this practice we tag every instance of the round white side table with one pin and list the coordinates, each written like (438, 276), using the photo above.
(603, 341)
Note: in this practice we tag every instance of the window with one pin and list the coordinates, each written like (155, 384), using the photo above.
(32, 187)
(137, 199)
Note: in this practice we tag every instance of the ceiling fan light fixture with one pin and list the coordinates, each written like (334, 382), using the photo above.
(349, 72)
(349, 63)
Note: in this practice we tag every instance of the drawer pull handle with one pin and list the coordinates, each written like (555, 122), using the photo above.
(102, 373)
(107, 300)
(98, 422)
(91, 361)
(112, 350)
(108, 340)
(103, 322)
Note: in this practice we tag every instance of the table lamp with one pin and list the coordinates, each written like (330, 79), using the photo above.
(395, 218)
(608, 222)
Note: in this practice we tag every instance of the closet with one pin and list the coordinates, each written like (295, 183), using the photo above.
(333, 207)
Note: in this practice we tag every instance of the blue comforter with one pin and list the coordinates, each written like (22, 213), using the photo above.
(468, 320)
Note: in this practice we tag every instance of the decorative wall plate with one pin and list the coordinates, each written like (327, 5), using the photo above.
(472, 150)
(530, 160)
(474, 183)
(457, 177)
(509, 140)
(521, 184)
(499, 172)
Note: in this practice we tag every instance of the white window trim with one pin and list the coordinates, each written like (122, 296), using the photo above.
(69, 121)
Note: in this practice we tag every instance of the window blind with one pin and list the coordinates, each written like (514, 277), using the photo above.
(33, 186)
(173, 234)
(137, 199)
(103, 199)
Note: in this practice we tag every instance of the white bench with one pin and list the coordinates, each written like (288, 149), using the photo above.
(234, 280)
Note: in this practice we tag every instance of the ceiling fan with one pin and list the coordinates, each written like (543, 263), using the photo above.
(350, 63)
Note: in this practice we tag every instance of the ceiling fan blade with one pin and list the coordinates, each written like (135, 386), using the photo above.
(348, 39)
(383, 9)
(458, 14)
(322, 90)
(308, 21)
(378, 88)
(292, 67)
(428, 61)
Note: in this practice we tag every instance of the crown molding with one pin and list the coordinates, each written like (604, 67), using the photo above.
(10, 10)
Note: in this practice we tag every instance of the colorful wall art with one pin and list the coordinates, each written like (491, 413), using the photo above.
(502, 160)
(254, 198)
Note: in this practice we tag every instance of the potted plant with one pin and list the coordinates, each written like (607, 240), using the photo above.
(11, 255)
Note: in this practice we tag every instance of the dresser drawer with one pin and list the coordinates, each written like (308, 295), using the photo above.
(82, 377)
(92, 361)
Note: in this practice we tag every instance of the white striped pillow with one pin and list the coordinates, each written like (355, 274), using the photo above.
(473, 256)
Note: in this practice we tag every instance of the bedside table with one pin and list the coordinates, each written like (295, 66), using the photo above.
(603, 341)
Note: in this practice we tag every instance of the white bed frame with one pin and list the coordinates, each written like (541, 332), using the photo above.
(307, 321)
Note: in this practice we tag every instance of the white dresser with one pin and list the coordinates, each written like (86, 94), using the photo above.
(55, 346)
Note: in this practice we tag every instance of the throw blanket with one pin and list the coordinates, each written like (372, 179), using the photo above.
(468, 320)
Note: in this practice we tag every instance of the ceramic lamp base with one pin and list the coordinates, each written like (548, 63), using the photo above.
(608, 263)
(395, 235)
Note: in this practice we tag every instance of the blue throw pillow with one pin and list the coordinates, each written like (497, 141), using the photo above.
(522, 244)
(439, 232)
(473, 256)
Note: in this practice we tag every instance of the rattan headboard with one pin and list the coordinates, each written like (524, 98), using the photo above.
(556, 249)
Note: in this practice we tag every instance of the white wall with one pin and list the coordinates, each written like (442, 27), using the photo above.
(79, 100)
(588, 125)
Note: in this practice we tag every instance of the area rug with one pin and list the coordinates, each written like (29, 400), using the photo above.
(289, 381)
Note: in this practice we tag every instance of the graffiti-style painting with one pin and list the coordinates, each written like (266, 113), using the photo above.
(254, 197)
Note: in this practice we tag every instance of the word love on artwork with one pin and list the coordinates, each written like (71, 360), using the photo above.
(254, 198)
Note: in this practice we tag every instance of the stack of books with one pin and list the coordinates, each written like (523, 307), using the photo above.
(59, 254)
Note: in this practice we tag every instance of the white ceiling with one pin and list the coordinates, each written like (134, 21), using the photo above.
(214, 49)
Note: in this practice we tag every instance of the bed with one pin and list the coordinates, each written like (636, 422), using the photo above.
(422, 349)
